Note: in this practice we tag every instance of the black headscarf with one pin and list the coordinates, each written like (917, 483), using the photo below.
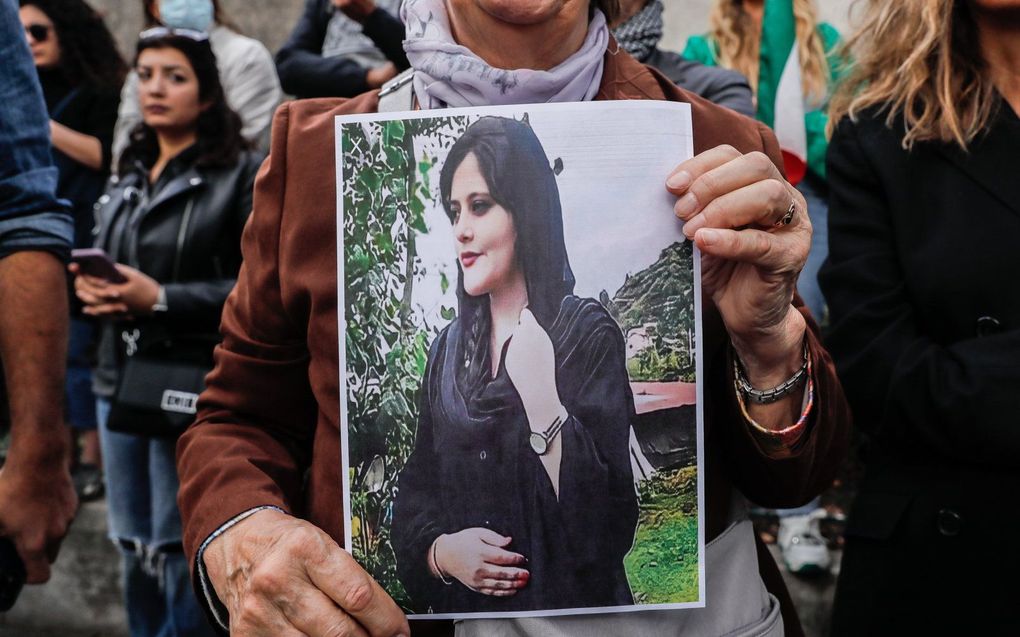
(520, 178)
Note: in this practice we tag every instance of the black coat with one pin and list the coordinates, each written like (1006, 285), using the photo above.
(472, 466)
(922, 286)
(185, 232)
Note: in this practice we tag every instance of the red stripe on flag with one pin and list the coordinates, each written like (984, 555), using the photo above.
(795, 166)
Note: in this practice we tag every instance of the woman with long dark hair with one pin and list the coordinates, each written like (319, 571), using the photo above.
(172, 221)
(526, 398)
(247, 71)
(81, 73)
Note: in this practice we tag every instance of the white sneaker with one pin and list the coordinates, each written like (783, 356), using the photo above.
(802, 545)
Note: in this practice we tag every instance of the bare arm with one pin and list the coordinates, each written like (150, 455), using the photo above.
(82, 148)
(38, 500)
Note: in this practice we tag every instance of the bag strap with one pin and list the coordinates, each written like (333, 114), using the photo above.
(398, 93)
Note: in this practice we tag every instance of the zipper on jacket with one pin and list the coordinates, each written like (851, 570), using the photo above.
(181, 236)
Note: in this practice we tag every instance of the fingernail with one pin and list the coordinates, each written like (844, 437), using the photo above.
(693, 225)
(686, 205)
(710, 237)
(679, 181)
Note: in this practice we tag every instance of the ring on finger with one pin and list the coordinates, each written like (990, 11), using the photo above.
(788, 217)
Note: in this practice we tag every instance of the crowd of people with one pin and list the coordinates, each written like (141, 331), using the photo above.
(155, 220)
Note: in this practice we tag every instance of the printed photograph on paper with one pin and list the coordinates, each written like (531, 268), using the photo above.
(520, 359)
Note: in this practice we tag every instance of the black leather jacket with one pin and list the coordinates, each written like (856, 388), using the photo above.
(185, 232)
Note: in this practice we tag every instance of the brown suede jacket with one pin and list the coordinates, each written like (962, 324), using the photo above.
(268, 427)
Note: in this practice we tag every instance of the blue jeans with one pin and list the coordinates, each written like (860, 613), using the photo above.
(141, 496)
(81, 403)
(813, 190)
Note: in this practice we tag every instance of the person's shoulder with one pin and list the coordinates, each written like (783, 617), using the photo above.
(872, 128)
(716, 125)
(315, 117)
(700, 49)
(830, 35)
(586, 315)
(233, 48)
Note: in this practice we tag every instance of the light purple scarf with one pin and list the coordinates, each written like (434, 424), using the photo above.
(448, 74)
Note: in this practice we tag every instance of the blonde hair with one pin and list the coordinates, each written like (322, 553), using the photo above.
(920, 59)
(737, 40)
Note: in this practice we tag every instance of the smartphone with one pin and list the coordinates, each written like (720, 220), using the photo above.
(12, 574)
(95, 262)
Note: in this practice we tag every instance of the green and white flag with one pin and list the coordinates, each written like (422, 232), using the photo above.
(780, 92)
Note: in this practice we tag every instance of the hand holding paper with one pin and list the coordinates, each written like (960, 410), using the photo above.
(279, 575)
(736, 210)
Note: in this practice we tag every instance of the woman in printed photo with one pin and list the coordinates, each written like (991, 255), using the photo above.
(519, 493)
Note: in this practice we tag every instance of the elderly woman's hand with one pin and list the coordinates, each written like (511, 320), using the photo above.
(282, 576)
(736, 208)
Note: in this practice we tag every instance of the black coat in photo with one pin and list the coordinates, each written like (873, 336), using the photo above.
(923, 285)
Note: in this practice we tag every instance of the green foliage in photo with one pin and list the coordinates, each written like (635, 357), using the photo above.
(386, 190)
(662, 566)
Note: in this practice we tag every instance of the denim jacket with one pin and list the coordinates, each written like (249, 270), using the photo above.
(31, 216)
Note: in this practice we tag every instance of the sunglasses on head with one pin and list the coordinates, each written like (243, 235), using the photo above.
(39, 32)
(163, 32)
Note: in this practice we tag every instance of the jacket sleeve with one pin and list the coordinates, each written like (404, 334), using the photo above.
(247, 447)
(31, 216)
(957, 398)
(252, 87)
(303, 70)
(719, 86)
(387, 33)
(801, 472)
(416, 518)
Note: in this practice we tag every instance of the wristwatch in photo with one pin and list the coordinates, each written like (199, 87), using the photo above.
(542, 440)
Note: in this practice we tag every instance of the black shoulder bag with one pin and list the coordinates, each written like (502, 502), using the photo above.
(159, 384)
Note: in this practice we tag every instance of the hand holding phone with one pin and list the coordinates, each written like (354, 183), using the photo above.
(96, 263)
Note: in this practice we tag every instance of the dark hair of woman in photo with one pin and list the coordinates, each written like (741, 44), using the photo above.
(925, 332)
(526, 408)
(172, 222)
(218, 128)
(81, 72)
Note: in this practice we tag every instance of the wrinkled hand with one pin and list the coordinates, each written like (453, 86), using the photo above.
(531, 365)
(134, 297)
(478, 559)
(357, 10)
(731, 203)
(378, 76)
(281, 576)
(37, 505)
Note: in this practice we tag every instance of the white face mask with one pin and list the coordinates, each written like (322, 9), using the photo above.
(186, 14)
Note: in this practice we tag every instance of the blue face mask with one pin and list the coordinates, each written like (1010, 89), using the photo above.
(186, 14)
